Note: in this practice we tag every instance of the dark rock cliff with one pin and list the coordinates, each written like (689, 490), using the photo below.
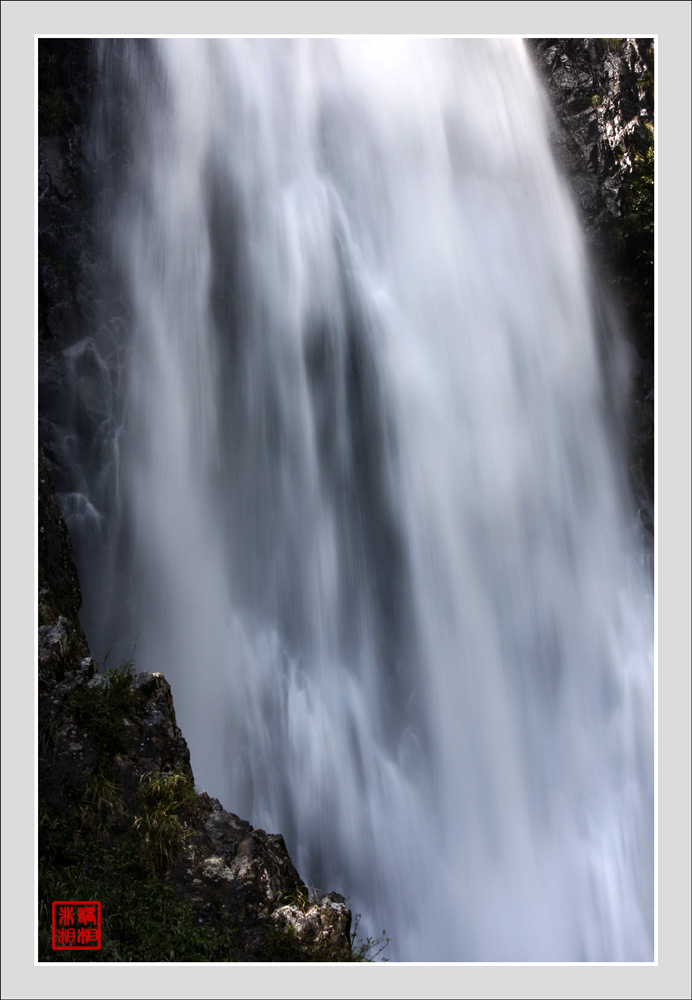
(602, 96)
(120, 821)
(69, 266)
(602, 125)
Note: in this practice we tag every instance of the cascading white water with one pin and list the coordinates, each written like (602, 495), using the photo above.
(378, 540)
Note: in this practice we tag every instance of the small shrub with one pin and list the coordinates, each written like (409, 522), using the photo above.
(369, 948)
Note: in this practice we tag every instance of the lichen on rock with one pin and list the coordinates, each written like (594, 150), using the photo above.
(325, 923)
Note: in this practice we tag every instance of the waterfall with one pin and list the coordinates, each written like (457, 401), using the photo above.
(357, 494)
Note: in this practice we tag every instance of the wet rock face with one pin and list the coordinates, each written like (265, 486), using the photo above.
(60, 593)
(601, 92)
(62, 644)
(61, 648)
(72, 273)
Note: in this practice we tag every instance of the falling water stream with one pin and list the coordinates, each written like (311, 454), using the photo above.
(359, 500)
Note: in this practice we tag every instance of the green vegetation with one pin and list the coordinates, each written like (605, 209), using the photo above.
(634, 237)
(100, 806)
(101, 709)
(108, 834)
(163, 798)
(90, 850)
(612, 44)
(595, 101)
(141, 918)
(142, 921)
(366, 949)
(646, 80)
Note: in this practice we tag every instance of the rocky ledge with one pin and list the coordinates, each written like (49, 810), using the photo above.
(120, 821)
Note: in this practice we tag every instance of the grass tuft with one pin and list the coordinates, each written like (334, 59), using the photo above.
(163, 797)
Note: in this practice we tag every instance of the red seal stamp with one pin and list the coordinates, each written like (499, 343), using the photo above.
(76, 925)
